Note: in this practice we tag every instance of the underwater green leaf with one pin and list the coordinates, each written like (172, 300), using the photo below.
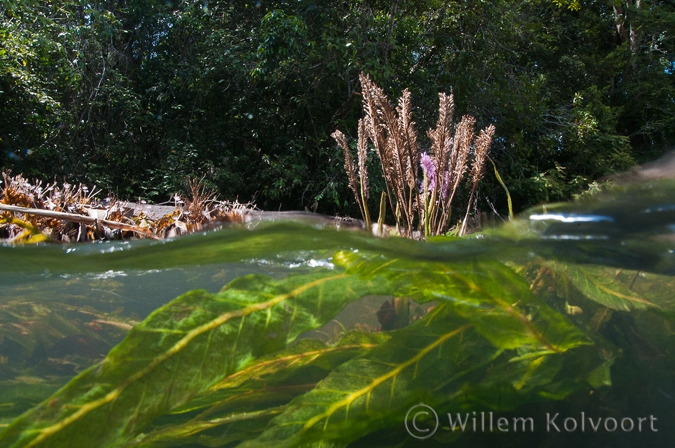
(305, 352)
(441, 360)
(653, 287)
(600, 284)
(39, 326)
(179, 351)
(267, 383)
(370, 391)
(496, 300)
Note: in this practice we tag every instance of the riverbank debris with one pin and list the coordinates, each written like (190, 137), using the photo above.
(32, 213)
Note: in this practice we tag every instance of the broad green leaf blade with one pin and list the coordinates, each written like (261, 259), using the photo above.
(181, 350)
(306, 352)
(369, 392)
(600, 285)
(496, 300)
(267, 384)
(658, 289)
(199, 432)
(437, 361)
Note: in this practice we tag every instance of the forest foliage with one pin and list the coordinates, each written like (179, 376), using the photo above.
(133, 95)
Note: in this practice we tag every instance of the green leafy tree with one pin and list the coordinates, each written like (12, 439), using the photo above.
(136, 95)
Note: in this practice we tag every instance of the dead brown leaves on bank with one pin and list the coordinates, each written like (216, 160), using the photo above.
(31, 212)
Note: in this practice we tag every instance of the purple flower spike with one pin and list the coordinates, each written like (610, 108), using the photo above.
(429, 167)
(446, 184)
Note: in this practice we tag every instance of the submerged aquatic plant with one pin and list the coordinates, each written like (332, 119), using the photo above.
(510, 323)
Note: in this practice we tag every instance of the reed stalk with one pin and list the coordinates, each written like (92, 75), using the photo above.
(383, 211)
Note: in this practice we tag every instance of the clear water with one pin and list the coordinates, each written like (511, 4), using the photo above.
(62, 308)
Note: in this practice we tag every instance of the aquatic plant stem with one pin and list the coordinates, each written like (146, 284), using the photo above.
(462, 230)
(501, 182)
(426, 204)
(383, 211)
(401, 312)
(364, 200)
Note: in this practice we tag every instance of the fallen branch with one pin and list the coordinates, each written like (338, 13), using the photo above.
(79, 218)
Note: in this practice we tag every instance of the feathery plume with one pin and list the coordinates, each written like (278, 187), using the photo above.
(481, 147)
(441, 136)
(460, 153)
(349, 165)
(409, 138)
(363, 158)
(371, 95)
